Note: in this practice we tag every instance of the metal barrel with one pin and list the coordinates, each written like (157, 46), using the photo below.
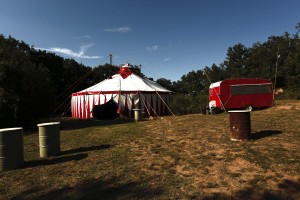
(240, 125)
(137, 113)
(11, 148)
(49, 139)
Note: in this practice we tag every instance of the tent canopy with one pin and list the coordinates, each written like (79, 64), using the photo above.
(127, 90)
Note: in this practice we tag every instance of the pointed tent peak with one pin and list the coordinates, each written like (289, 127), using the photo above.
(126, 65)
(125, 71)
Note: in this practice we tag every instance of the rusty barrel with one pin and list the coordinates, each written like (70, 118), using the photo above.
(11, 148)
(240, 125)
(49, 139)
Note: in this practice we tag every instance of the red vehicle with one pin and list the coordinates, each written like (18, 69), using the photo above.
(244, 93)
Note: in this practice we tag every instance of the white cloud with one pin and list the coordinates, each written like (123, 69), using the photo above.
(69, 52)
(167, 59)
(153, 48)
(82, 37)
(123, 29)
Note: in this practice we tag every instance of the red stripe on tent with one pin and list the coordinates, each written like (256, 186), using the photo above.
(79, 113)
(126, 107)
(72, 108)
(84, 108)
(76, 109)
(88, 107)
(93, 104)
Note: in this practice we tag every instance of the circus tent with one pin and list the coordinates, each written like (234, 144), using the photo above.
(128, 91)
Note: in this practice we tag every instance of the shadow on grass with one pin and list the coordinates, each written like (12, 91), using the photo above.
(287, 190)
(86, 149)
(290, 186)
(113, 188)
(54, 160)
(72, 124)
(262, 134)
(116, 188)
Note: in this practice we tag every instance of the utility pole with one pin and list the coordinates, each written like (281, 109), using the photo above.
(276, 69)
(110, 59)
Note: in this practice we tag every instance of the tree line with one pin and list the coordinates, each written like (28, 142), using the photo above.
(36, 84)
(258, 61)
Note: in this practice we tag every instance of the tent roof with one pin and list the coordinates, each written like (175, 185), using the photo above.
(125, 81)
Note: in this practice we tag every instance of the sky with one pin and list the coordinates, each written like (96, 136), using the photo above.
(168, 38)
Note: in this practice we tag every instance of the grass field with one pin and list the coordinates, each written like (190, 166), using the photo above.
(182, 157)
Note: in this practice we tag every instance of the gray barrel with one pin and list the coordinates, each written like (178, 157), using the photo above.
(49, 139)
(137, 114)
(11, 148)
(240, 125)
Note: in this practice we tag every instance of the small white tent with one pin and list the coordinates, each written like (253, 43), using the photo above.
(127, 90)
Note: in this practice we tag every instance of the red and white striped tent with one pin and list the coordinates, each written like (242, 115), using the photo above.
(128, 91)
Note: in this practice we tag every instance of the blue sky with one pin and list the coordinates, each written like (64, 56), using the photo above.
(168, 38)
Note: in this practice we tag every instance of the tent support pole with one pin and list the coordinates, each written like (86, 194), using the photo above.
(165, 103)
(149, 106)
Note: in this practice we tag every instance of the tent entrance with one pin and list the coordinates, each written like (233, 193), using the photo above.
(106, 111)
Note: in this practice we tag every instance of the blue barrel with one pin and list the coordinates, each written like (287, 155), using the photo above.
(11, 148)
(49, 139)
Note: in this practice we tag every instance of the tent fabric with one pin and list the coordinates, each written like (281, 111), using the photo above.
(127, 90)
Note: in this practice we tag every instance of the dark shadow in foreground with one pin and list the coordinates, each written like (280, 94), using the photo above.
(67, 123)
(86, 149)
(287, 189)
(113, 188)
(72, 124)
(266, 133)
(54, 160)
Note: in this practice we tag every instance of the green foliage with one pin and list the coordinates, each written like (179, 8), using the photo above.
(166, 83)
(101, 73)
(191, 83)
(26, 88)
(184, 104)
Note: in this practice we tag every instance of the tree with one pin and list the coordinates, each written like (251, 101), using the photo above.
(165, 83)
(26, 89)
(236, 60)
(191, 83)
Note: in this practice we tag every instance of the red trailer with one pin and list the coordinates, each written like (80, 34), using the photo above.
(244, 93)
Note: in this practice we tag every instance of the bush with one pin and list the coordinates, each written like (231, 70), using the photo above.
(183, 104)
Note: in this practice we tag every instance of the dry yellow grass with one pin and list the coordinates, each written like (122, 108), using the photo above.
(183, 157)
